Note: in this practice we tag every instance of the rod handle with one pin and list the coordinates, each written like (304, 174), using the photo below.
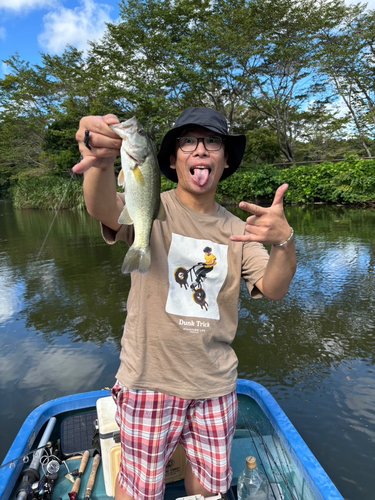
(84, 461)
(77, 482)
(75, 489)
(91, 481)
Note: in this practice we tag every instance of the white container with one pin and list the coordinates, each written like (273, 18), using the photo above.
(109, 434)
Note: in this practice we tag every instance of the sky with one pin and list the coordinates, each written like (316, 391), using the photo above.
(30, 27)
(33, 26)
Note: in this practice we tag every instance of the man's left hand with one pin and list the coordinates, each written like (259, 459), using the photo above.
(267, 225)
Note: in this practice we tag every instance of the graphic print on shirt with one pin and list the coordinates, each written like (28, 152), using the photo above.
(197, 271)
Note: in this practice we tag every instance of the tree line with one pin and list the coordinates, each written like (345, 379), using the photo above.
(297, 77)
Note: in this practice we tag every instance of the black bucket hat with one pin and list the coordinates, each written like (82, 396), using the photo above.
(207, 118)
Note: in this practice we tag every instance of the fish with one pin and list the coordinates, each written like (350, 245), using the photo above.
(140, 176)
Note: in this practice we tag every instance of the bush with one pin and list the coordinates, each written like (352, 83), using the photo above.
(251, 184)
(47, 192)
(350, 181)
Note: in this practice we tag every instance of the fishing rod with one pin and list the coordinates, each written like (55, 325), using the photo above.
(271, 460)
(31, 474)
(12, 462)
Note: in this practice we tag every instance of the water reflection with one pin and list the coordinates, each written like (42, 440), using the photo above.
(61, 320)
(11, 293)
(59, 368)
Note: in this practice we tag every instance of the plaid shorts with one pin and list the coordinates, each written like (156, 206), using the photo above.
(152, 424)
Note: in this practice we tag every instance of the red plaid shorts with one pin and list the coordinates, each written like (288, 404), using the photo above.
(152, 424)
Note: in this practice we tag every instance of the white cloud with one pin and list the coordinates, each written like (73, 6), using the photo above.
(4, 68)
(22, 5)
(3, 33)
(74, 26)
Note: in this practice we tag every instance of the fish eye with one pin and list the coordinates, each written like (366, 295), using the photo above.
(141, 131)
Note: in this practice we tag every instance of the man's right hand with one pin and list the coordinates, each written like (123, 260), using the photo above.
(105, 144)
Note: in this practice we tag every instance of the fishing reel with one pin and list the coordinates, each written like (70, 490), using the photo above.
(43, 489)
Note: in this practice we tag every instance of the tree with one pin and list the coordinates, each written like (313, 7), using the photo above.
(281, 75)
(347, 57)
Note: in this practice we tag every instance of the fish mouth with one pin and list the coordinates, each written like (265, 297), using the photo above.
(132, 157)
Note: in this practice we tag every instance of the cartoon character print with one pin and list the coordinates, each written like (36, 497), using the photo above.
(200, 272)
(197, 271)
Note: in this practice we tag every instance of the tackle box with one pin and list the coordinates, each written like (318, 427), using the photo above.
(111, 452)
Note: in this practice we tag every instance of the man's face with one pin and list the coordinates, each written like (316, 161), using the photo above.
(199, 171)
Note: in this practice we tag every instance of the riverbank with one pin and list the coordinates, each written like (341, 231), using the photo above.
(349, 182)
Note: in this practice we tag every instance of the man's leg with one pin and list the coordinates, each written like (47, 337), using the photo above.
(192, 485)
(207, 438)
(150, 426)
(120, 494)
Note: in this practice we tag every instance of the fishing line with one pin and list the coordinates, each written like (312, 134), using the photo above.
(256, 432)
(252, 432)
(282, 474)
(53, 220)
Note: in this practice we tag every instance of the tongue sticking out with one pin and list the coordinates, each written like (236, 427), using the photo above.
(200, 176)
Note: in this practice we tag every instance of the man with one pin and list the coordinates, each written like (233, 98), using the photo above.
(177, 378)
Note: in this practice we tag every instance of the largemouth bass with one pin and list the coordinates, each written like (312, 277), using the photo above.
(140, 175)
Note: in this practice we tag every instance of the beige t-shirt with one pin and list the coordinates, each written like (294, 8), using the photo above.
(181, 319)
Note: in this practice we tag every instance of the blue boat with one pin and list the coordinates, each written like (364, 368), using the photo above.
(263, 430)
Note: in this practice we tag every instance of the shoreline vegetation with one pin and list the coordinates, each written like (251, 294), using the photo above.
(348, 182)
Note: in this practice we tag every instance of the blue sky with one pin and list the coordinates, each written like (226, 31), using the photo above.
(33, 26)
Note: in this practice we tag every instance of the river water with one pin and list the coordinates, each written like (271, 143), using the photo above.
(62, 314)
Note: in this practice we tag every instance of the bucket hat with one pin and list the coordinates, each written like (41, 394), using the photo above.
(207, 118)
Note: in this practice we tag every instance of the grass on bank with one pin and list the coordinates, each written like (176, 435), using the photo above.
(348, 182)
(47, 192)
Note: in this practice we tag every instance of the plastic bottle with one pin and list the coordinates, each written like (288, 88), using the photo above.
(252, 483)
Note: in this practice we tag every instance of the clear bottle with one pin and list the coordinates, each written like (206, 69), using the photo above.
(252, 483)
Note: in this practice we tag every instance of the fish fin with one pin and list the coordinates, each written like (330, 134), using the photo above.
(125, 217)
(138, 175)
(135, 260)
(161, 214)
(121, 178)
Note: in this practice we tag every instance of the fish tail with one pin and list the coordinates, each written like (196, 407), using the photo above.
(137, 260)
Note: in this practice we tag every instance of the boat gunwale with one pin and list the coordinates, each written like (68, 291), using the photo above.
(318, 480)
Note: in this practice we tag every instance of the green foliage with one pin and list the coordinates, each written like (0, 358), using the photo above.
(5, 176)
(47, 192)
(250, 184)
(166, 184)
(261, 146)
(348, 182)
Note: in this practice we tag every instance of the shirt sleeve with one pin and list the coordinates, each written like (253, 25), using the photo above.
(254, 261)
(125, 233)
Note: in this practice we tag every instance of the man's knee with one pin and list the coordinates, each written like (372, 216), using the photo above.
(120, 493)
(192, 485)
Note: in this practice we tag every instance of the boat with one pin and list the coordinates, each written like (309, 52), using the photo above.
(60, 435)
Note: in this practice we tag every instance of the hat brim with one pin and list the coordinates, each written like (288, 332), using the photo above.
(234, 147)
